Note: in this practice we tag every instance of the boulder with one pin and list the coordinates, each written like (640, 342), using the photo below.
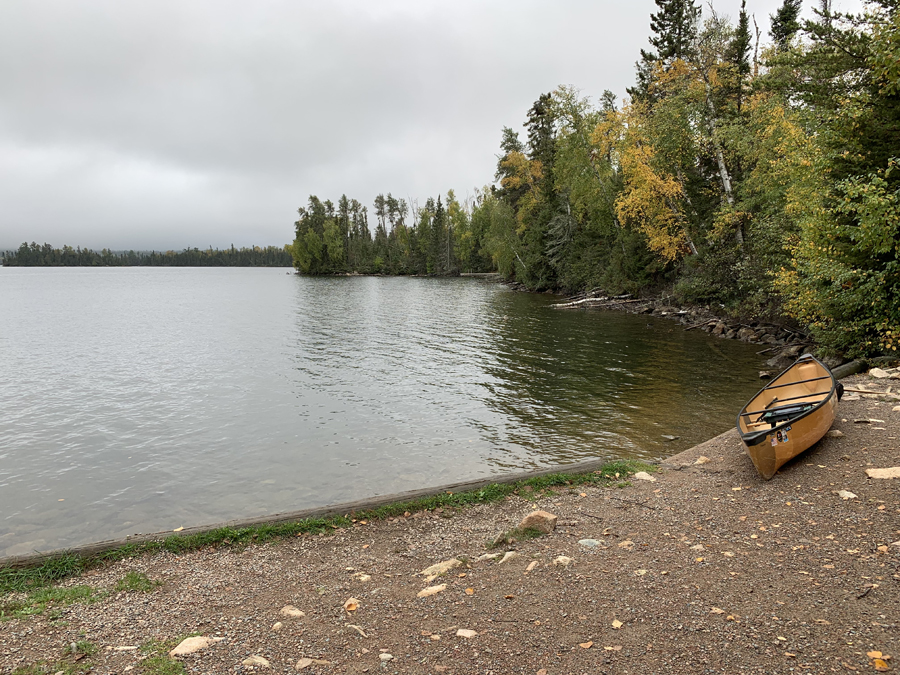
(747, 335)
(539, 520)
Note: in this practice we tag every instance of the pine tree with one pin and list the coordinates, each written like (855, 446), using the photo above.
(785, 23)
(674, 29)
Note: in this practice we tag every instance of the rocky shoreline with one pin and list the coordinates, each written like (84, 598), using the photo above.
(782, 343)
(701, 567)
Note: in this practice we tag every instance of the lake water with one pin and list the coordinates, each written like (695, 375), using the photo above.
(141, 400)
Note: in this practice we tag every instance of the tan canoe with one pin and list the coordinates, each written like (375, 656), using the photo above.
(789, 414)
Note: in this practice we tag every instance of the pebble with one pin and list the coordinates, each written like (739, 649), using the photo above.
(277, 626)
(193, 644)
(466, 633)
(431, 590)
(892, 472)
(702, 459)
(643, 475)
(846, 494)
(487, 556)
(291, 612)
(256, 661)
(587, 543)
(564, 560)
(834, 433)
(386, 657)
(441, 567)
(879, 373)
(509, 555)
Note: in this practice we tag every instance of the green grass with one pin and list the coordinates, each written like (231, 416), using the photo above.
(514, 535)
(136, 582)
(38, 600)
(44, 668)
(82, 647)
(28, 579)
(158, 661)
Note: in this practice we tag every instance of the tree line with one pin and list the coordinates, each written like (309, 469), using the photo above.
(36, 255)
(759, 174)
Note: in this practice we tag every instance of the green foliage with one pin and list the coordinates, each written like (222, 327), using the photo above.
(34, 255)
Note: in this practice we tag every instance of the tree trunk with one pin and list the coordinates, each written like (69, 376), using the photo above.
(720, 160)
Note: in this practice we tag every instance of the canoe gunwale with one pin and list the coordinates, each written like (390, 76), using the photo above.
(757, 437)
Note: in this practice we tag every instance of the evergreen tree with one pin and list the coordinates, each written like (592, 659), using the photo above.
(785, 23)
(674, 29)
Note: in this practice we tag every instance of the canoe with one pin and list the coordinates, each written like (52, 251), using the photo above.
(790, 414)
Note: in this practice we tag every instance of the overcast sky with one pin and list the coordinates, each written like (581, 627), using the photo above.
(168, 124)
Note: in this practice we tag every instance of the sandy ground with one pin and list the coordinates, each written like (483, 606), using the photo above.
(707, 570)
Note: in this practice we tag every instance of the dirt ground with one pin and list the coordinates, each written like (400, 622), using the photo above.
(707, 570)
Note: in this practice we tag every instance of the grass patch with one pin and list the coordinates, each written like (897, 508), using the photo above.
(45, 668)
(37, 601)
(81, 648)
(136, 582)
(26, 580)
(158, 661)
(514, 535)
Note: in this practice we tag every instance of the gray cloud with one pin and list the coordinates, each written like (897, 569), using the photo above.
(168, 124)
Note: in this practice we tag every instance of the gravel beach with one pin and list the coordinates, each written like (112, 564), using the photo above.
(706, 569)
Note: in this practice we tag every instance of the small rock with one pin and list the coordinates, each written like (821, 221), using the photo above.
(669, 437)
(879, 373)
(360, 576)
(765, 375)
(846, 494)
(305, 662)
(509, 555)
(719, 329)
(291, 612)
(892, 472)
(531, 565)
(747, 335)
(539, 520)
(896, 408)
(730, 335)
(466, 633)
(441, 568)
(351, 605)
(193, 644)
(643, 475)
(564, 560)
(386, 657)
(256, 661)
(277, 626)
(702, 459)
(697, 547)
(835, 433)
(431, 590)
(487, 556)
(589, 543)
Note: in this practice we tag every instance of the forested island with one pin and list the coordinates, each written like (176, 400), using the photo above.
(36, 255)
(759, 175)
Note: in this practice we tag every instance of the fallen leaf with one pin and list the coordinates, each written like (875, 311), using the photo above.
(351, 605)
(614, 648)
(509, 597)
(178, 529)
(617, 624)
(874, 655)
(585, 645)
(640, 573)
(470, 591)
(716, 610)
(881, 665)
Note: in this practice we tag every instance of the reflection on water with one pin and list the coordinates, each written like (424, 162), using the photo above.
(138, 400)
